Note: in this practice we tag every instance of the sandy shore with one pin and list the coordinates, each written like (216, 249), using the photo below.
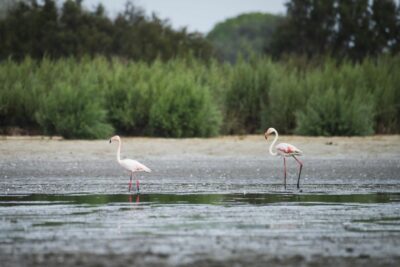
(380, 146)
(240, 161)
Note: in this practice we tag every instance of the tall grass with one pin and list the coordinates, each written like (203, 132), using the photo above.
(247, 96)
(162, 99)
(338, 102)
(333, 112)
(18, 98)
(93, 98)
(285, 97)
(382, 80)
(73, 112)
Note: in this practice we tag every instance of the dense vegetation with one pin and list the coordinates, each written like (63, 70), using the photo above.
(341, 29)
(243, 35)
(91, 98)
(38, 29)
(79, 74)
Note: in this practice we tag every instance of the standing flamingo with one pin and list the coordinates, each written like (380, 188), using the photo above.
(129, 164)
(284, 150)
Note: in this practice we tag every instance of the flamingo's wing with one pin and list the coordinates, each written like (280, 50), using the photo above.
(134, 166)
(288, 150)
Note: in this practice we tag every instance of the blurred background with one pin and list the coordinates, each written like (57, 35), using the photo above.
(88, 69)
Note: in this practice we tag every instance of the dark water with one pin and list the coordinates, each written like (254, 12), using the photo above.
(182, 228)
(212, 199)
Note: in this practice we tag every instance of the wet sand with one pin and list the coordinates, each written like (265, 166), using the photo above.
(346, 232)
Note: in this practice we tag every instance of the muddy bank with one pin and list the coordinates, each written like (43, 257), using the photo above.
(200, 229)
(208, 202)
(227, 164)
(379, 146)
(152, 260)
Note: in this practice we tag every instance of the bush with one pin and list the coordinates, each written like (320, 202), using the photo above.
(286, 95)
(128, 98)
(183, 109)
(247, 96)
(383, 80)
(332, 112)
(73, 113)
(162, 100)
(185, 97)
(18, 94)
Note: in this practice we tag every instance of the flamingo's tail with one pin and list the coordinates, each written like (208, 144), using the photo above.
(146, 169)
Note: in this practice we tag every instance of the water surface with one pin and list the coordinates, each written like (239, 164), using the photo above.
(176, 228)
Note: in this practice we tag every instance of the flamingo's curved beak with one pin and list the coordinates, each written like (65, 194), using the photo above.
(110, 141)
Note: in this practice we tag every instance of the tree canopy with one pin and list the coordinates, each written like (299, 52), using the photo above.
(39, 29)
(244, 34)
(343, 29)
(352, 29)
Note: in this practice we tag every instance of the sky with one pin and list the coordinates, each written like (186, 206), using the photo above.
(196, 15)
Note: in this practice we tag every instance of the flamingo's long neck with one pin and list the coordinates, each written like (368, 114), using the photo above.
(273, 143)
(119, 151)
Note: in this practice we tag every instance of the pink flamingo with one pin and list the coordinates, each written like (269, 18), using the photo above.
(129, 164)
(284, 150)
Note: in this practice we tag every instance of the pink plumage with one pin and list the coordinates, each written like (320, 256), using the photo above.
(133, 165)
(288, 150)
(130, 165)
(284, 150)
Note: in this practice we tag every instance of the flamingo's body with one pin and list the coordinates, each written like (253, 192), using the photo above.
(129, 164)
(285, 150)
(133, 165)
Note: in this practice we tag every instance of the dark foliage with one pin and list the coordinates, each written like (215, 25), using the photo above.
(342, 29)
(39, 29)
(243, 35)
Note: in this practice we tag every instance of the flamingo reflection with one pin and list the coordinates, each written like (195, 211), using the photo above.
(137, 199)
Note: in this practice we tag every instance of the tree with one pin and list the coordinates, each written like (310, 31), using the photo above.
(344, 29)
(38, 29)
(387, 27)
(244, 34)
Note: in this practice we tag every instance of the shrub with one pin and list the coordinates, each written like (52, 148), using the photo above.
(128, 98)
(186, 97)
(183, 108)
(247, 96)
(286, 95)
(18, 94)
(73, 113)
(383, 80)
(332, 112)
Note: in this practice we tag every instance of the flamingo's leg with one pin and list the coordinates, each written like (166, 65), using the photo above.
(130, 183)
(284, 171)
(301, 167)
(137, 185)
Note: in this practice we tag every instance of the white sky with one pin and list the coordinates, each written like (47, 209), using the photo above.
(196, 15)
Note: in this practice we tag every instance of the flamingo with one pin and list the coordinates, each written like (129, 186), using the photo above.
(284, 150)
(129, 164)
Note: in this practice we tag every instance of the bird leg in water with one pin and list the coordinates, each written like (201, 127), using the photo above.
(301, 166)
(284, 166)
(137, 185)
(130, 184)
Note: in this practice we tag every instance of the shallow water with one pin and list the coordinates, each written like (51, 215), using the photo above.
(182, 228)
(199, 199)
(217, 202)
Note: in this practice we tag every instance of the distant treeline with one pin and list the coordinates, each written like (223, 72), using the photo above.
(244, 35)
(344, 30)
(39, 28)
(341, 29)
(92, 98)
